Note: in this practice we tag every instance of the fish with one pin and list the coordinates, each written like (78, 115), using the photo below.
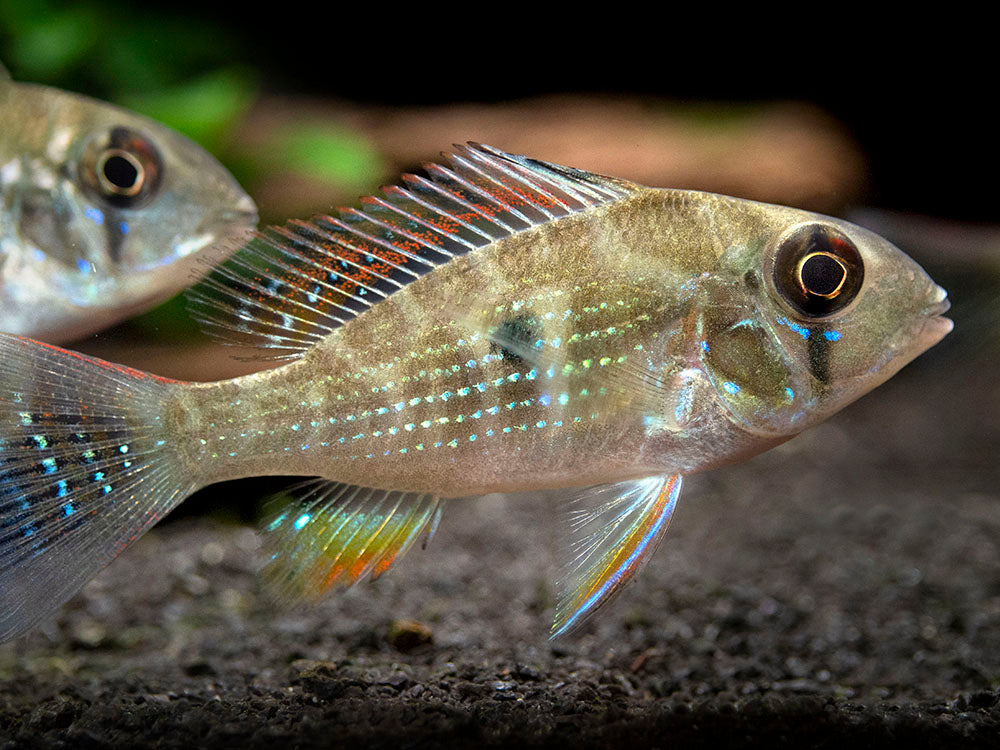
(103, 213)
(497, 325)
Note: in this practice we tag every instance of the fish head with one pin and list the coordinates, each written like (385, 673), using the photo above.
(820, 312)
(107, 210)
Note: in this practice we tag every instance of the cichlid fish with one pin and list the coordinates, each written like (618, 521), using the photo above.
(505, 325)
(102, 211)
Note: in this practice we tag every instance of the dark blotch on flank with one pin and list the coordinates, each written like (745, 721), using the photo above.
(514, 337)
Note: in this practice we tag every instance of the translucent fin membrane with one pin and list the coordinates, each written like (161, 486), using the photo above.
(290, 286)
(84, 471)
(614, 529)
(337, 534)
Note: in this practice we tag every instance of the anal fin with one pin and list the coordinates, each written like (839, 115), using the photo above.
(333, 534)
(614, 529)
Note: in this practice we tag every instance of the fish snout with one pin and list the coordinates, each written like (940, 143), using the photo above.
(934, 326)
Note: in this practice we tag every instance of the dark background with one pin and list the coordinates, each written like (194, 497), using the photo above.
(843, 588)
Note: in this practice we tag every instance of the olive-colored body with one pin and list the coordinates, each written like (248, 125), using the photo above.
(662, 354)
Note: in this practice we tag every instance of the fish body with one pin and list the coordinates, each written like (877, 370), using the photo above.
(103, 212)
(506, 325)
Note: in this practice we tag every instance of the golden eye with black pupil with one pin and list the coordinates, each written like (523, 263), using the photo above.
(817, 270)
(122, 167)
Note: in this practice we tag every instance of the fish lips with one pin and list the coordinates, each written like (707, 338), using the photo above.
(933, 326)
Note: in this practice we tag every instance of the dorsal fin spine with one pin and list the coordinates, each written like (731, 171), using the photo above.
(549, 186)
(501, 208)
(380, 243)
(445, 178)
(510, 169)
(375, 214)
(393, 189)
(348, 214)
(237, 260)
(347, 261)
(428, 186)
(416, 186)
(508, 206)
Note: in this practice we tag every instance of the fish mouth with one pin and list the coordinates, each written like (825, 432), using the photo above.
(935, 326)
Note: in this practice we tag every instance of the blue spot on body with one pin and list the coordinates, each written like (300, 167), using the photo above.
(731, 388)
(832, 335)
(94, 214)
(545, 399)
(301, 521)
(123, 227)
(704, 346)
(83, 266)
(68, 509)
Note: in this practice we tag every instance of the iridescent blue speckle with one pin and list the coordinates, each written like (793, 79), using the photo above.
(731, 388)
(301, 521)
(832, 335)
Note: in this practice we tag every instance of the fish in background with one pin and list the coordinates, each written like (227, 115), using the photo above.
(502, 325)
(103, 212)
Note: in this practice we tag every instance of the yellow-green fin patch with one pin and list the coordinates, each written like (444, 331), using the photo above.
(335, 535)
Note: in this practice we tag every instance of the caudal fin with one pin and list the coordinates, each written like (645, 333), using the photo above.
(85, 469)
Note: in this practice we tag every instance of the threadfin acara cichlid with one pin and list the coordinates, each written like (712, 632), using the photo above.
(504, 325)
(102, 212)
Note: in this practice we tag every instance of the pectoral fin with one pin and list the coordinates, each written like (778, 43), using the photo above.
(614, 530)
(334, 534)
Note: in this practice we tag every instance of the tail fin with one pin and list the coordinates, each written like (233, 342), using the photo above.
(85, 470)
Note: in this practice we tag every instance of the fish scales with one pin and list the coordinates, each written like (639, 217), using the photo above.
(504, 325)
(451, 414)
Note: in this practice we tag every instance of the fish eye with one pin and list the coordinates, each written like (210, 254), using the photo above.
(122, 167)
(817, 270)
(119, 172)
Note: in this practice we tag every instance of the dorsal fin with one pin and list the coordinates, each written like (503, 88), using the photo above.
(292, 285)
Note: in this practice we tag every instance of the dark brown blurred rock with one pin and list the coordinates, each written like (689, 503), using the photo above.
(777, 152)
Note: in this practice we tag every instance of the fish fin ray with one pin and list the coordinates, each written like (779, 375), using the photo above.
(290, 286)
(336, 535)
(614, 529)
(77, 485)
